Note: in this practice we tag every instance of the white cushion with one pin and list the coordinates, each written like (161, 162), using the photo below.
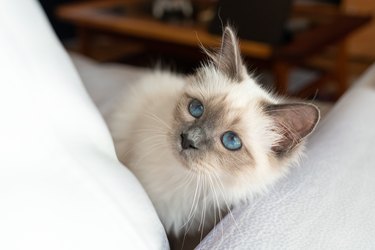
(326, 203)
(105, 82)
(61, 186)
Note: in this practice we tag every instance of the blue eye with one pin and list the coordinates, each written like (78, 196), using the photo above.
(196, 108)
(231, 141)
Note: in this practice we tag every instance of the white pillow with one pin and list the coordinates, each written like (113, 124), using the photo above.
(61, 186)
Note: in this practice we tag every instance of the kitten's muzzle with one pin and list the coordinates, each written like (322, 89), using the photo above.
(192, 138)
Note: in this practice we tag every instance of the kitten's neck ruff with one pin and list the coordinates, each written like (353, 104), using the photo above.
(187, 201)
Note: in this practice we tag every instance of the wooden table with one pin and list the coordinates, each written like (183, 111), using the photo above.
(90, 18)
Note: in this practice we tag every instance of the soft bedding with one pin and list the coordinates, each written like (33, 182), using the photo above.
(326, 203)
(105, 81)
(61, 185)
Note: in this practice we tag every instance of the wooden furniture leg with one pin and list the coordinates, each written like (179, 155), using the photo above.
(281, 74)
(341, 68)
(84, 41)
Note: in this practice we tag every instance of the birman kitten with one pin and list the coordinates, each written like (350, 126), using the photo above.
(200, 144)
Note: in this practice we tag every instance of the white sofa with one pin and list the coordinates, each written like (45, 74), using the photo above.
(61, 186)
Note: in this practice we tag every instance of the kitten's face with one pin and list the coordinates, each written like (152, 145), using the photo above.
(220, 126)
(226, 125)
(210, 125)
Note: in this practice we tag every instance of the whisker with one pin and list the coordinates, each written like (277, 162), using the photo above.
(152, 150)
(150, 138)
(197, 201)
(221, 188)
(204, 210)
(157, 119)
(194, 199)
(217, 202)
(158, 131)
(204, 200)
(188, 179)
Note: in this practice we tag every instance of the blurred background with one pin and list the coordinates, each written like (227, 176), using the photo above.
(312, 49)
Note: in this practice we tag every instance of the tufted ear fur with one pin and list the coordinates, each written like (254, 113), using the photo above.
(228, 59)
(293, 122)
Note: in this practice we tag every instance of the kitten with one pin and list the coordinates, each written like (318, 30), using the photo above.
(203, 143)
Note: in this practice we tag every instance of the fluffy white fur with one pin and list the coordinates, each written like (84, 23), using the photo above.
(189, 199)
(140, 126)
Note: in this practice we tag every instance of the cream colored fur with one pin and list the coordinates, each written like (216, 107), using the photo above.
(190, 196)
(140, 126)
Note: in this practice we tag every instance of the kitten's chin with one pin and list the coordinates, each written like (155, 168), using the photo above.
(184, 156)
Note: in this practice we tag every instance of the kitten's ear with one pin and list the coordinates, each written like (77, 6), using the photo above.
(228, 59)
(293, 122)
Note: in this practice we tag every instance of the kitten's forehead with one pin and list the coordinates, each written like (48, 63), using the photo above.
(219, 112)
(211, 86)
